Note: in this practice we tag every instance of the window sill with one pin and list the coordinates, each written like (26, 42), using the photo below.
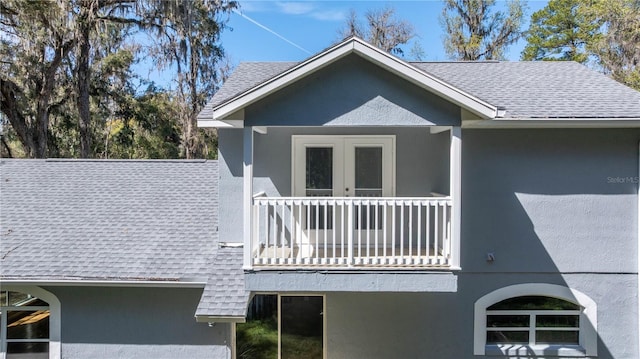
(523, 351)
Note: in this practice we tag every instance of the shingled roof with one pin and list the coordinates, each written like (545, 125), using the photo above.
(116, 221)
(225, 296)
(107, 220)
(532, 89)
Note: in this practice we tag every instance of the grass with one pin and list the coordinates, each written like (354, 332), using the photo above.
(258, 339)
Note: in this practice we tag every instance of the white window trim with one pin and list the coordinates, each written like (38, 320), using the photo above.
(54, 315)
(588, 336)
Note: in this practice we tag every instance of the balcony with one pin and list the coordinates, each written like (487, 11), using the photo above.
(331, 203)
(352, 232)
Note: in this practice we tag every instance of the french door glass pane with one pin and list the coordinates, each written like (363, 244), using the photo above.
(319, 168)
(368, 171)
(301, 327)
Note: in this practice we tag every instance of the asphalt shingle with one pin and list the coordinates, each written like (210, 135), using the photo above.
(533, 89)
(225, 294)
(107, 220)
(246, 76)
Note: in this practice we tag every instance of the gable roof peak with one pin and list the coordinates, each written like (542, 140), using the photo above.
(216, 112)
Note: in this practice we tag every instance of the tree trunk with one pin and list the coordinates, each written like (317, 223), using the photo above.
(83, 77)
(9, 105)
(33, 134)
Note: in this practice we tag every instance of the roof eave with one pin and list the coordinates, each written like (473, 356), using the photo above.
(190, 283)
(560, 122)
(220, 319)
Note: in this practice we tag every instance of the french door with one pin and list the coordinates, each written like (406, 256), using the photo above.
(341, 166)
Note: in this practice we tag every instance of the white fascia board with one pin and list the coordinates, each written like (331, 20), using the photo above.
(221, 124)
(553, 123)
(393, 64)
(234, 120)
(434, 130)
(219, 319)
(107, 283)
(303, 69)
(426, 81)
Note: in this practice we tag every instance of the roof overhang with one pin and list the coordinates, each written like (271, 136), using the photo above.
(196, 283)
(219, 319)
(507, 123)
(232, 109)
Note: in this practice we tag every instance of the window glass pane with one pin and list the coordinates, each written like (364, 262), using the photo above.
(558, 321)
(28, 325)
(258, 337)
(556, 337)
(23, 299)
(368, 171)
(19, 350)
(302, 327)
(319, 171)
(505, 321)
(533, 303)
(507, 337)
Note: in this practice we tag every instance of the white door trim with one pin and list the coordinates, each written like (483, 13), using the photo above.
(340, 175)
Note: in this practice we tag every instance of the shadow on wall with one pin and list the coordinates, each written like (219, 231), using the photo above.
(558, 207)
(352, 92)
(135, 316)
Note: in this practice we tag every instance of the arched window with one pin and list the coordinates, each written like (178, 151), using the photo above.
(535, 318)
(29, 323)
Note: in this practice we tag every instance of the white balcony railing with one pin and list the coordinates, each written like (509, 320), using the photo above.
(351, 231)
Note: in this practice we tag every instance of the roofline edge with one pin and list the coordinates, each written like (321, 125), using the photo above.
(220, 319)
(107, 283)
(332, 54)
(524, 123)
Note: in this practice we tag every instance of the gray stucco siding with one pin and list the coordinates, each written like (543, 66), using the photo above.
(352, 92)
(440, 325)
(230, 185)
(122, 322)
(422, 165)
(550, 200)
(533, 198)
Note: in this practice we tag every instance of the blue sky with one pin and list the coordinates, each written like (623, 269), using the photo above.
(265, 30)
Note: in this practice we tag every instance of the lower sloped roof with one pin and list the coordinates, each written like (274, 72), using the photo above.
(101, 220)
(224, 297)
(110, 222)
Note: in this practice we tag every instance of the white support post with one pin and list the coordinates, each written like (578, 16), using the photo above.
(455, 191)
(247, 195)
(350, 235)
